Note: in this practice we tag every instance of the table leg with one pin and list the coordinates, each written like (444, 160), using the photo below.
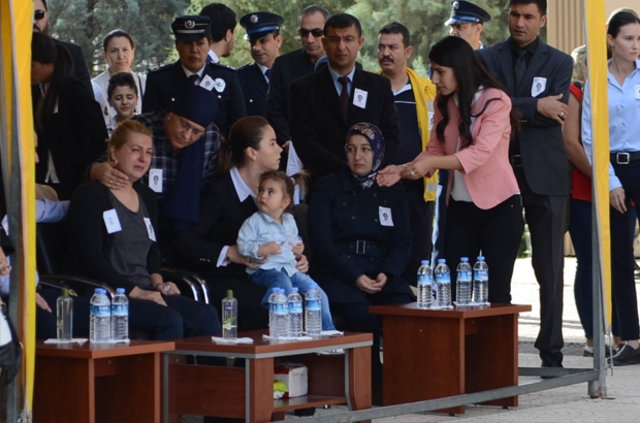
(59, 381)
(492, 355)
(432, 367)
(358, 378)
(259, 385)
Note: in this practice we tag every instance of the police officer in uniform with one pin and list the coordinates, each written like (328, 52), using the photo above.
(467, 21)
(263, 34)
(167, 83)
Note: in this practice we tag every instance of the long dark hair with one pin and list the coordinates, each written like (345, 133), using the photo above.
(45, 50)
(471, 74)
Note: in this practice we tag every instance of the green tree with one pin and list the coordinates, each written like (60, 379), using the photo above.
(86, 22)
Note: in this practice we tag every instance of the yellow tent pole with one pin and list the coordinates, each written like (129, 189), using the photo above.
(19, 176)
(597, 70)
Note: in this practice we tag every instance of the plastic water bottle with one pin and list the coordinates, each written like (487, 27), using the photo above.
(273, 332)
(313, 312)
(294, 303)
(120, 316)
(481, 282)
(100, 316)
(442, 276)
(281, 317)
(463, 282)
(229, 316)
(425, 285)
(64, 316)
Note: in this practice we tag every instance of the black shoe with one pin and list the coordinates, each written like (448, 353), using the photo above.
(305, 412)
(551, 363)
(626, 355)
(588, 351)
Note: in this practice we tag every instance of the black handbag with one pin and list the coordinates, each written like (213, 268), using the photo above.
(11, 351)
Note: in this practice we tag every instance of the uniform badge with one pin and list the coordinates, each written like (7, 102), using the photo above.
(219, 84)
(189, 24)
(254, 18)
(455, 5)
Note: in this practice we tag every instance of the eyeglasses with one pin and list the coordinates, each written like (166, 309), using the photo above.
(316, 32)
(38, 14)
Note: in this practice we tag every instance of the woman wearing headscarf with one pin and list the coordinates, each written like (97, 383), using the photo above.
(470, 136)
(361, 239)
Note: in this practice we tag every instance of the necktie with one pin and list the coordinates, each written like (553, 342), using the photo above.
(344, 95)
(194, 79)
(267, 74)
(520, 66)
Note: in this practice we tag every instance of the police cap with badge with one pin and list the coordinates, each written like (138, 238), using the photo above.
(466, 12)
(191, 28)
(259, 24)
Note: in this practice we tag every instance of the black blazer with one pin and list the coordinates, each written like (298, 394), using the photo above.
(318, 128)
(540, 142)
(167, 83)
(286, 69)
(75, 135)
(254, 89)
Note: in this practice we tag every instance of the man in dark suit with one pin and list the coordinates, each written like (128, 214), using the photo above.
(167, 83)
(41, 24)
(538, 78)
(293, 65)
(263, 33)
(326, 103)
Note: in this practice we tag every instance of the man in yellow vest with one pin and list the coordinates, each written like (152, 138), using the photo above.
(413, 96)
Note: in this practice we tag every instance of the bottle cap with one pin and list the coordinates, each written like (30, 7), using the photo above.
(65, 292)
(120, 290)
(463, 259)
(100, 291)
(294, 289)
(425, 262)
(480, 258)
(442, 261)
(229, 293)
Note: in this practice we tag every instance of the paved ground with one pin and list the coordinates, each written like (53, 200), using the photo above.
(564, 404)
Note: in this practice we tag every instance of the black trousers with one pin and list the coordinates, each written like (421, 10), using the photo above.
(496, 232)
(546, 216)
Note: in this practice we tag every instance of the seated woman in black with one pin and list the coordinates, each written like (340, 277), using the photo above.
(210, 247)
(361, 239)
(113, 240)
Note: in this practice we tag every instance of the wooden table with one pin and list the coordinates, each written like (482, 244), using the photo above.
(98, 382)
(247, 391)
(438, 353)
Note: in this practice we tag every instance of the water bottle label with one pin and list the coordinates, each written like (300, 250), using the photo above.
(295, 307)
(443, 278)
(313, 304)
(281, 308)
(120, 309)
(100, 310)
(481, 274)
(423, 279)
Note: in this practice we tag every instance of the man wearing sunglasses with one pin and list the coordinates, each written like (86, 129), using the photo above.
(293, 65)
(325, 104)
(41, 24)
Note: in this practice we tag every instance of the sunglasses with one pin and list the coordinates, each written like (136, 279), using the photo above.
(38, 14)
(316, 32)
